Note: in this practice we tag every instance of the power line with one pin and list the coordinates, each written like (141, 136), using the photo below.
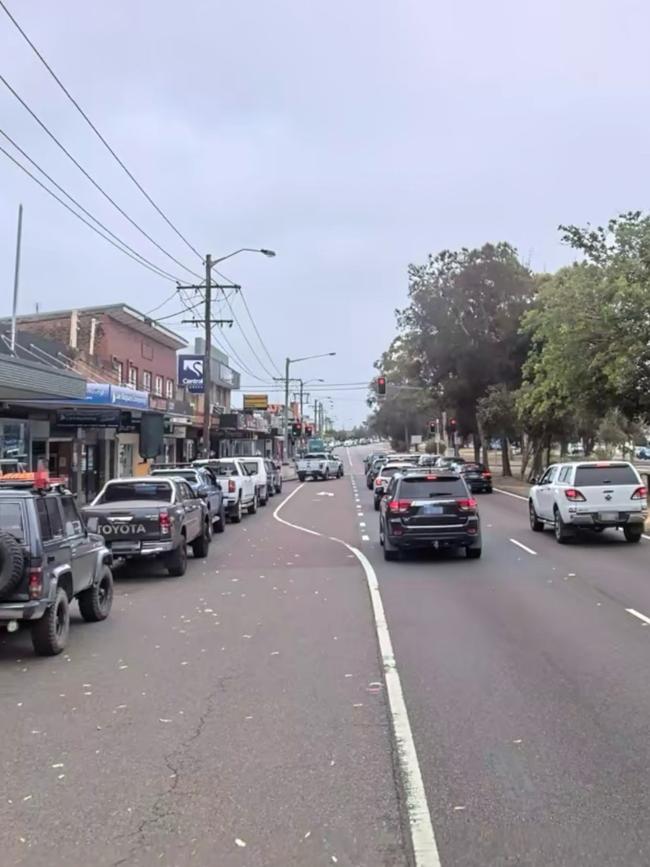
(163, 273)
(91, 179)
(79, 217)
(259, 336)
(162, 303)
(95, 130)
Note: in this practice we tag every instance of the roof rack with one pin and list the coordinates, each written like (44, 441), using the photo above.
(38, 481)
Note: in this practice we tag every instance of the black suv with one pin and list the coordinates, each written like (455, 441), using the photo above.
(47, 558)
(429, 510)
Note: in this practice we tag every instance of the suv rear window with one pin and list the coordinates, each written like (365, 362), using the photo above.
(225, 469)
(11, 519)
(119, 491)
(188, 475)
(423, 489)
(589, 475)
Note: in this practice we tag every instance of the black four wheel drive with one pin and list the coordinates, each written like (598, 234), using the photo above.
(47, 559)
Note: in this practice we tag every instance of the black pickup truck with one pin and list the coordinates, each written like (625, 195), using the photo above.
(151, 517)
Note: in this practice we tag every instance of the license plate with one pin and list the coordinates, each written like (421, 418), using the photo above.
(124, 547)
(608, 516)
(432, 510)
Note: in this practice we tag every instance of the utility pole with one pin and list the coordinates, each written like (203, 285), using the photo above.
(285, 443)
(16, 278)
(207, 358)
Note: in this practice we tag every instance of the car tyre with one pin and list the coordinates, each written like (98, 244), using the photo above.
(50, 633)
(252, 509)
(326, 475)
(221, 523)
(237, 514)
(301, 477)
(201, 545)
(377, 504)
(264, 500)
(632, 534)
(176, 561)
(562, 534)
(473, 553)
(95, 602)
(535, 524)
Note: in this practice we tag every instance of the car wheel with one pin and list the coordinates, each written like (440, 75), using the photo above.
(377, 502)
(632, 534)
(221, 523)
(50, 633)
(278, 488)
(177, 560)
(326, 475)
(252, 509)
(301, 477)
(201, 545)
(488, 490)
(390, 554)
(535, 524)
(264, 500)
(473, 553)
(562, 534)
(237, 514)
(95, 602)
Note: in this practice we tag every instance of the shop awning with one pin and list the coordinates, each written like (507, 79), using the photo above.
(29, 380)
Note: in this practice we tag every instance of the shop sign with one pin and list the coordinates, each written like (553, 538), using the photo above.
(103, 393)
(256, 401)
(190, 373)
(83, 417)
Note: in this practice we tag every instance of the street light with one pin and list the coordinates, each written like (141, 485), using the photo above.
(207, 355)
(287, 365)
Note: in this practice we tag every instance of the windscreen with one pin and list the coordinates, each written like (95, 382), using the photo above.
(315, 456)
(11, 519)
(227, 468)
(389, 472)
(423, 489)
(589, 475)
(119, 491)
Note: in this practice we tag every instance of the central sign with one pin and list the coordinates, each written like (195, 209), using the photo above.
(190, 372)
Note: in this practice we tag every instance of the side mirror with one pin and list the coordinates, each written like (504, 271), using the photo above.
(533, 481)
(202, 491)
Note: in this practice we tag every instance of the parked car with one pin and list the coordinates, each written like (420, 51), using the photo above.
(477, 477)
(590, 495)
(237, 485)
(149, 517)
(382, 480)
(422, 510)
(204, 483)
(274, 473)
(319, 465)
(47, 559)
(257, 469)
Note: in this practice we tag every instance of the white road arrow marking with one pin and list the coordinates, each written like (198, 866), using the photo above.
(325, 494)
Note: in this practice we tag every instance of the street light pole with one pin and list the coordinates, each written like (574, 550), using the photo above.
(287, 366)
(207, 358)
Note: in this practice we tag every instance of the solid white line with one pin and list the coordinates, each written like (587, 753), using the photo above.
(638, 614)
(510, 494)
(524, 547)
(423, 839)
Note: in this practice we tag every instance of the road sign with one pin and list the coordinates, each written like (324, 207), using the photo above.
(416, 439)
(190, 372)
(256, 401)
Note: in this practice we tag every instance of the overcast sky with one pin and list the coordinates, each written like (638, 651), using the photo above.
(352, 137)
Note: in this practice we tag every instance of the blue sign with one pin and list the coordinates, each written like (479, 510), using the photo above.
(190, 373)
(115, 395)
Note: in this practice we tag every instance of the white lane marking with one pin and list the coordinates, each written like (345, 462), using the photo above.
(365, 538)
(638, 614)
(349, 457)
(524, 547)
(423, 839)
(510, 494)
(362, 523)
(644, 536)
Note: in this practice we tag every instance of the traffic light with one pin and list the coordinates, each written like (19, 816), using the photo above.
(433, 427)
(452, 425)
(381, 385)
(296, 428)
(308, 430)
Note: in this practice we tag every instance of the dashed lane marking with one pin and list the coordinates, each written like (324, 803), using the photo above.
(524, 547)
(638, 614)
(365, 538)
(423, 839)
(510, 494)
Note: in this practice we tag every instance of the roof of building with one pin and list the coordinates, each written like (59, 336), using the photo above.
(122, 313)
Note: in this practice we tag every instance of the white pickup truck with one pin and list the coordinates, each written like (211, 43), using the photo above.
(237, 485)
(319, 465)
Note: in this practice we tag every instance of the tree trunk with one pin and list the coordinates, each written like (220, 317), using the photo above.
(538, 454)
(476, 439)
(525, 453)
(505, 457)
(564, 446)
(588, 445)
(481, 445)
(548, 451)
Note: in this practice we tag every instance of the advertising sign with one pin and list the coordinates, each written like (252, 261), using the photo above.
(256, 401)
(190, 372)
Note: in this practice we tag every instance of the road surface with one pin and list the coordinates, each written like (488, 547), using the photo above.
(242, 714)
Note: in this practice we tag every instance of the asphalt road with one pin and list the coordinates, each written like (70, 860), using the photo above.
(239, 715)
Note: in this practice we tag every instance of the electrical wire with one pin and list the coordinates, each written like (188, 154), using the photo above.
(79, 217)
(91, 179)
(162, 271)
(162, 303)
(259, 336)
(94, 128)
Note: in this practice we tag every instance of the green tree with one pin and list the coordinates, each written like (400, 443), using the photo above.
(497, 416)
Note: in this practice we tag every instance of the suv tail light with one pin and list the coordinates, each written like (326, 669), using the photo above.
(165, 523)
(399, 506)
(467, 504)
(574, 495)
(640, 494)
(232, 487)
(35, 583)
(486, 475)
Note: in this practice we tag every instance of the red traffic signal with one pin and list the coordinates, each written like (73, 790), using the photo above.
(452, 424)
(381, 385)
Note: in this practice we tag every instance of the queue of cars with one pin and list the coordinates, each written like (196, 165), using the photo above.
(52, 553)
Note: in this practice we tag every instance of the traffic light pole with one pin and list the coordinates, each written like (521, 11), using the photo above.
(285, 442)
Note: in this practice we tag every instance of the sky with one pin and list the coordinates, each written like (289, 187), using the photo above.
(350, 137)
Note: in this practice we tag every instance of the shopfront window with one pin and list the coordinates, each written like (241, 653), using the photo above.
(169, 389)
(14, 446)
